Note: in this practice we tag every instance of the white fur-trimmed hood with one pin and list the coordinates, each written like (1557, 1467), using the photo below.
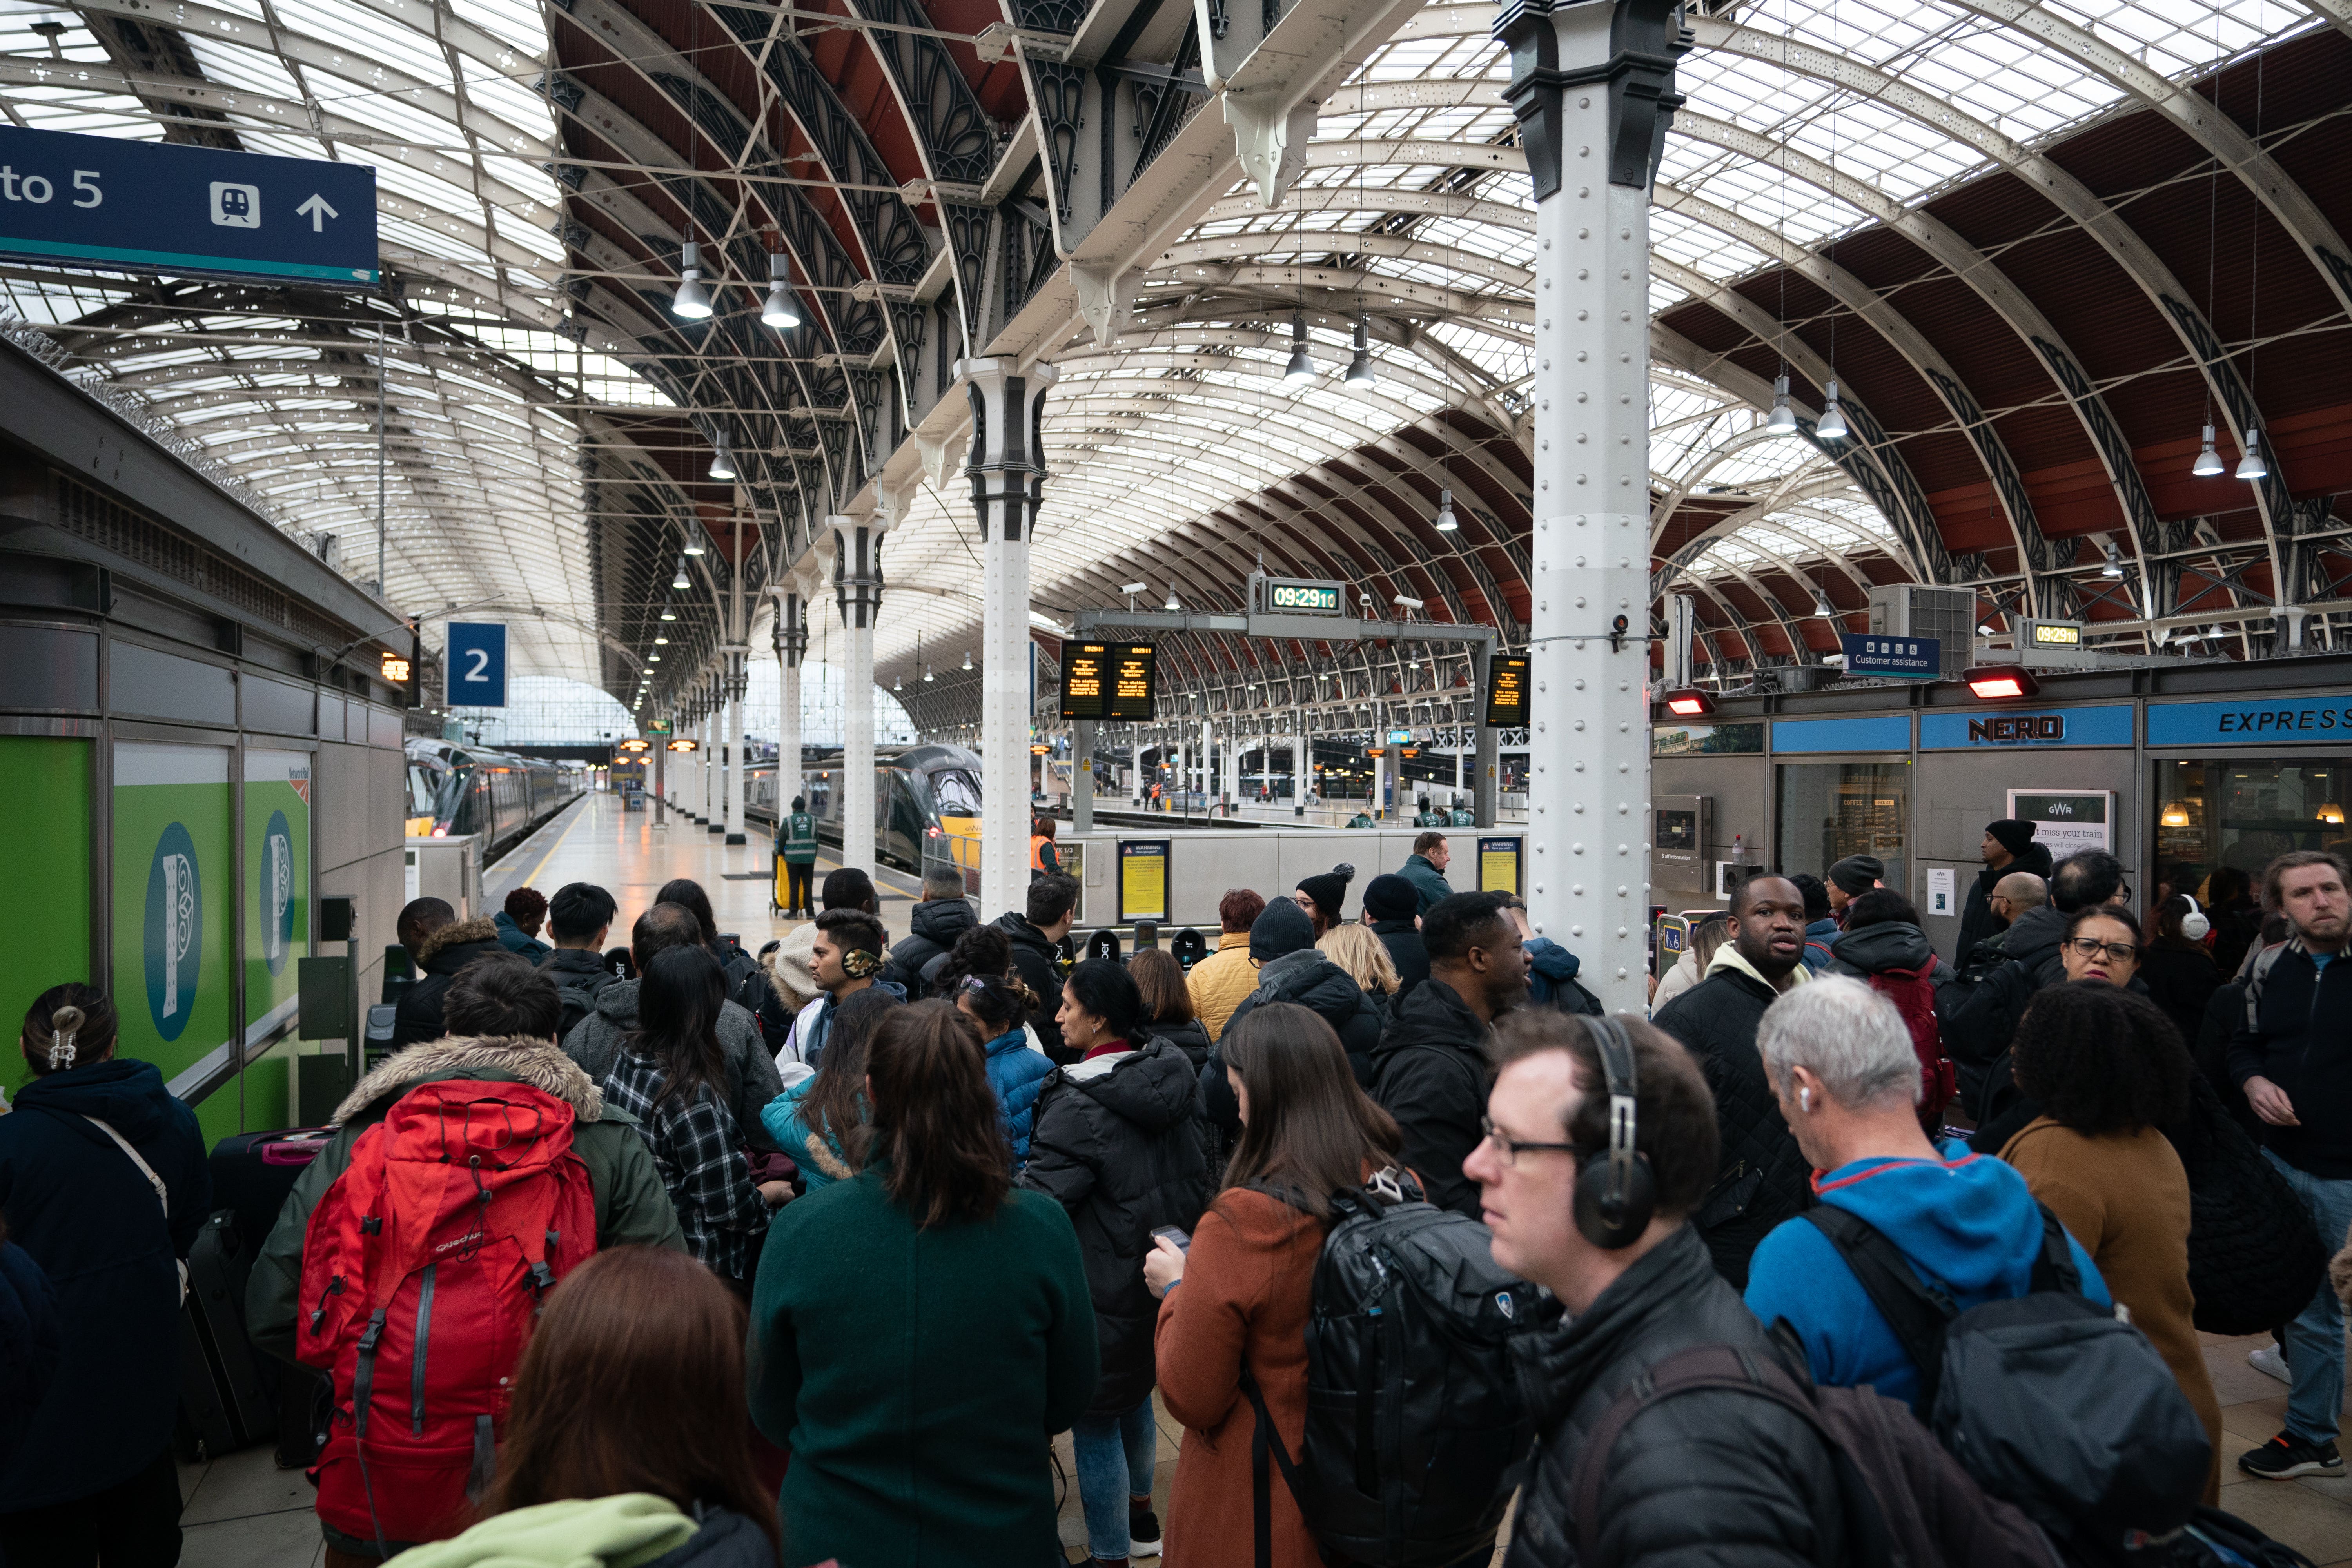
(539, 1063)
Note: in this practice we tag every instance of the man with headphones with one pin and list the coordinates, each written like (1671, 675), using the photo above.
(1601, 1140)
(846, 958)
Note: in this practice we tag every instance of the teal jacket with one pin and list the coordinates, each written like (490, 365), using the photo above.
(796, 838)
(1428, 882)
(917, 1375)
(820, 1160)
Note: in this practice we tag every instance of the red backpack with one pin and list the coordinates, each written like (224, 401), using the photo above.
(1914, 996)
(423, 1270)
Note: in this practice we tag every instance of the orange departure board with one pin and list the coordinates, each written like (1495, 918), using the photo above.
(1506, 690)
(1133, 682)
(1085, 671)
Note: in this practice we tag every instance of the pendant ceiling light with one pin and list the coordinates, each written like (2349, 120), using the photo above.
(1446, 521)
(692, 300)
(1175, 605)
(670, 615)
(782, 312)
(1359, 368)
(1833, 424)
(693, 546)
(722, 461)
(2251, 465)
(1301, 368)
(1782, 420)
(681, 582)
(1822, 609)
(967, 659)
(2208, 461)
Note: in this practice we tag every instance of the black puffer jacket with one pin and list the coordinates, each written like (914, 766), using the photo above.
(1979, 1020)
(1114, 1145)
(1764, 1177)
(1037, 961)
(1311, 980)
(1430, 1073)
(1706, 1477)
(438, 958)
(1978, 920)
(932, 929)
(1402, 939)
(1190, 1037)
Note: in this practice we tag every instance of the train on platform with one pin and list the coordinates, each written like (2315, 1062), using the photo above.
(926, 805)
(454, 790)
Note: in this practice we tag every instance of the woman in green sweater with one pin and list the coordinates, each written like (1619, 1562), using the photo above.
(919, 1332)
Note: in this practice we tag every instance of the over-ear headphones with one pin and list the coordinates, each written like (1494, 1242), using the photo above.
(1616, 1192)
(2194, 925)
(857, 962)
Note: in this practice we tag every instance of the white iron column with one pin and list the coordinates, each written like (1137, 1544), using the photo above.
(857, 593)
(1134, 765)
(713, 818)
(738, 675)
(1592, 86)
(1007, 468)
(792, 647)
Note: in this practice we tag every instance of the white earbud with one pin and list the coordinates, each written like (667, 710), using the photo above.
(2194, 925)
(1804, 1100)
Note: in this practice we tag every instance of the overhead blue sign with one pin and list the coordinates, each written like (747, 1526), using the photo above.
(1976, 730)
(1905, 659)
(2324, 717)
(475, 664)
(1887, 733)
(161, 206)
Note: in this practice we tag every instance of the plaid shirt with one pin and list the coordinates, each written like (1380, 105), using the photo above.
(699, 1154)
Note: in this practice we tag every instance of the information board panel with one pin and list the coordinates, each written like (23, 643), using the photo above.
(1134, 683)
(1142, 880)
(1086, 670)
(1901, 658)
(1506, 690)
(2065, 820)
(1498, 864)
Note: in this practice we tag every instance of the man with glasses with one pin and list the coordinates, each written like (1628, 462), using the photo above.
(2293, 1056)
(1718, 1475)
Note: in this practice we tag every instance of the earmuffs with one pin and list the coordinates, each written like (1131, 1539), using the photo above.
(2194, 925)
(857, 962)
(1616, 1193)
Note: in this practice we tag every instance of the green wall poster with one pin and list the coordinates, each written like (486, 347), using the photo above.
(276, 885)
(174, 950)
(43, 940)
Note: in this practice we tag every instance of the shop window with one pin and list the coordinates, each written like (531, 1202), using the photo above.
(2219, 823)
(1831, 810)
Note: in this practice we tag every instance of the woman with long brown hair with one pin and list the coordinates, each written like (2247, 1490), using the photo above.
(919, 1330)
(1238, 1300)
(627, 1441)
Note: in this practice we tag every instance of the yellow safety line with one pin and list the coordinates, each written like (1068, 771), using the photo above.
(552, 849)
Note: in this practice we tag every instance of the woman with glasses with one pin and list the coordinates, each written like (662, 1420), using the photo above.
(2102, 942)
(1308, 1131)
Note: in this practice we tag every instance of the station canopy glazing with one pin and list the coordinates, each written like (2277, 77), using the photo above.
(2039, 244)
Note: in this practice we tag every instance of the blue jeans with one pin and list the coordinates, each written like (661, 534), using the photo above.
(1115, 1455)
(2314, 1340)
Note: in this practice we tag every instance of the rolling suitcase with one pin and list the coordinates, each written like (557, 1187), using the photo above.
(229, 1398)
(252, 1175)
(253, 1172)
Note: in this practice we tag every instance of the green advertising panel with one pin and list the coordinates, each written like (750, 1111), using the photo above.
(276, 885)
(44, 939)
(174, 950)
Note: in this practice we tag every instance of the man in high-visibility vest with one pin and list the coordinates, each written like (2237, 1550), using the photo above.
(796, 848)
(1043, 860)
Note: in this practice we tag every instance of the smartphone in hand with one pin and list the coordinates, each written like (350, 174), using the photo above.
(1178, 1235)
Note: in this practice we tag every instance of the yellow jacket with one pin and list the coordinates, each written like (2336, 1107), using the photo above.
(1219, 982)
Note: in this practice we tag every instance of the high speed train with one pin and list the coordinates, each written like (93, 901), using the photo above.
(455, 789)
(926, 805)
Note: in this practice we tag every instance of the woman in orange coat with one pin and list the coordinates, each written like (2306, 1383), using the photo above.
(1238, 1300)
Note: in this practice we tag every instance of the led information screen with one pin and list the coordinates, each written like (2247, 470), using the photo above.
(1107, 680)
(1507, 691)
(1303, 596)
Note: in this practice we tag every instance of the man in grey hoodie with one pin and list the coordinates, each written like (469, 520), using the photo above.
(597, 1040)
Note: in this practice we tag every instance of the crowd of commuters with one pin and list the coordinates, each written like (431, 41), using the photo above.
(816, 1251)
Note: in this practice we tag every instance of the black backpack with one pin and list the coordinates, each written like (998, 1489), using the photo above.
(2050, 1401)
(1415, 1430)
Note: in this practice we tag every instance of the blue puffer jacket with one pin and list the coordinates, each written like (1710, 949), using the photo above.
(820, 1160)
(1016, 1073)
(81, 1210)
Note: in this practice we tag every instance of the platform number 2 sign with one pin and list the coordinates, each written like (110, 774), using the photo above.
(476, 664)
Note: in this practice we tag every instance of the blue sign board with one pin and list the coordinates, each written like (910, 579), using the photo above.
(1905, 658)
(2320, 717)
(475, 664)
(1891, 733)
(159, 206)
(1987, 729)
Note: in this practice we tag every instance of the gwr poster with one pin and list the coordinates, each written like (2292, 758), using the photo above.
(173, 947)
(2067, 820)
(277, 884)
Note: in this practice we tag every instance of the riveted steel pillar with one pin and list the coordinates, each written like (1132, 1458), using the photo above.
(1592, 86)
(792, 647)
(857, 594)
(1007, 469)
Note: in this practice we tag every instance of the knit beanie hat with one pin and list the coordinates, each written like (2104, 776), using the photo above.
(2014, 836)
(1328, 890)
(1283, 928)
(1856, 873)
(1389, 896)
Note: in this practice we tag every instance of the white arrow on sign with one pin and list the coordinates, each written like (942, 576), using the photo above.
(317, 210)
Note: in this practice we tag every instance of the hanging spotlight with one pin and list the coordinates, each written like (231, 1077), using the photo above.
(670, 615)
(1782, 420)
(722, 462)
(680, 582)
(2114, 569)
(692, 300)
(1446, 522)
(1360, 369)
(926, 673)
(1301, 368)
(1174, 605)
(782, 312)
(2251, 465)
(1822, 609)
(967, 659)
(2208, 461)
(661, 642)
(1833, 424)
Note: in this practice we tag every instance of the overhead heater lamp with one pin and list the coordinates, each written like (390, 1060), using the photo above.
(1833, 424)
(1992, 682)
(2208, 461)
(692, 300)
(1446, 522)
(1689, 703)
(782, 312)
(2251, 465)
(1782, 421)
(1301, 368)
(1359, 368)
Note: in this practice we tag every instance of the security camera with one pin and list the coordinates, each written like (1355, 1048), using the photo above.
(1133, 588)
(1404, 603)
